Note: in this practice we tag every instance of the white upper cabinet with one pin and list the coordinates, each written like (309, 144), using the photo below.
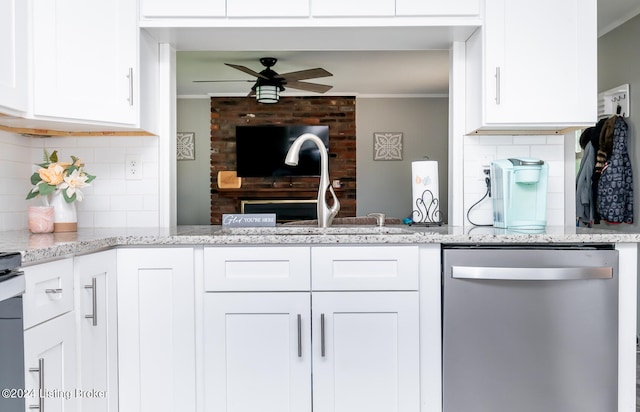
(437, 8)
(533, 65)
(85, 60)
(183, 8)
(13, 48)
(163, 9)
(364, 8)
(274, 8)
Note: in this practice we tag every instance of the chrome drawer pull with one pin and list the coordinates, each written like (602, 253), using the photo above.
(41, 391)
(94, 292)
(53, 291)
(299, 335)
(322, 346)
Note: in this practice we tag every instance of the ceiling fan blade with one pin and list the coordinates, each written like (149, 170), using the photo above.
(305, 74)
(247, 70)
(222, 81)
(310, 87)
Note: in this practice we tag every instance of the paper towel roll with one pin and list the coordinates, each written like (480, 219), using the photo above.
(425, 196)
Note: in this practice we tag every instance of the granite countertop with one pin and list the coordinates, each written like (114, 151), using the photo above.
(42, 247)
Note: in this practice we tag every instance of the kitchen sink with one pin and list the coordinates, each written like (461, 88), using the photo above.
(348, 221)
(312, 229)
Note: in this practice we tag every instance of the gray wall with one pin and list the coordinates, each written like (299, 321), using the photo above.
(385, 186)
(382, 186)
(193, 176)
(619, 63)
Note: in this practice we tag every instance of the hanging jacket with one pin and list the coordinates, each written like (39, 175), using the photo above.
(603, 150)
(594, 138)
(585, 206)
(615, 186)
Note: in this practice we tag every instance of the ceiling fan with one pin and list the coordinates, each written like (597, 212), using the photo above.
(269, 84)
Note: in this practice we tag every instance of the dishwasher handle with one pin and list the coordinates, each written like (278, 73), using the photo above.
(520, 273)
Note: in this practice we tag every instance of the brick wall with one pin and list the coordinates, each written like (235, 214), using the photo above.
(339, 113)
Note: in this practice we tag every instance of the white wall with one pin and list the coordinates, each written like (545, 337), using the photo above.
(480, 150)
(110, 201)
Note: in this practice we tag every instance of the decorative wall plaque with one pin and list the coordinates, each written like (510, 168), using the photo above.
(387, 146)
(186, 146)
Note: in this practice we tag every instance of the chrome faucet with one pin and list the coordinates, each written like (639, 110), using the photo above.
(325, 213)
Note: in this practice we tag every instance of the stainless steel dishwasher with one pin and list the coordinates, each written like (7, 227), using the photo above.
(530, 329)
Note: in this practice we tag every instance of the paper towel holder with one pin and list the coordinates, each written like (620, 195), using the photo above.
(427, 211)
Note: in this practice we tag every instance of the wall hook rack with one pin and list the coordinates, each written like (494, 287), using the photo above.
(614, 101)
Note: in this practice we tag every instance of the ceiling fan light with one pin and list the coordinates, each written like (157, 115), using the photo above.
(267, 93)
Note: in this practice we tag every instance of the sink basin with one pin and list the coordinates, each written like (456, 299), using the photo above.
(351, 221)
(301, 229)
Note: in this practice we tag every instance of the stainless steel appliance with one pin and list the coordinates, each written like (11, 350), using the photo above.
(11, 334)
(530, 329)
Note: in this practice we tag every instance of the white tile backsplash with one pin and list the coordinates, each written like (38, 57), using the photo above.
(479, 148)
(110, 201)
(15, 171)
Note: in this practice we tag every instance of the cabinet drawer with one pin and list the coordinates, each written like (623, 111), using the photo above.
(256, 268)
(48, 291)
(365, 268)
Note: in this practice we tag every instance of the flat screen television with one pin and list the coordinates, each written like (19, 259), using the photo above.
(260, 150)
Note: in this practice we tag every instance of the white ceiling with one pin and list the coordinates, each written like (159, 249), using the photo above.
(364, 62)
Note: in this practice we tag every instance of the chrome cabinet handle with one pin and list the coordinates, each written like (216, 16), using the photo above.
(322, 345)
(53, 291)
(94, 315)
(130, 77)
(40, 371)
(299, 335)
(497, 85)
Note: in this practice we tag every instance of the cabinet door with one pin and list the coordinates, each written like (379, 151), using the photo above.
(156, 329)
(366, 352)
(355, 8)
(184, 8)
(257, 352)
(537, 74)
(274, 8)
(13, 49)
(96, 317)
(85, 60)
(50, 349)
(437, 8)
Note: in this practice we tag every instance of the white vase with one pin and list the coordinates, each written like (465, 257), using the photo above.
(65, 217)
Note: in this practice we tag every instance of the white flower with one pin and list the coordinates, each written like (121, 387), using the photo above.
(73, 182)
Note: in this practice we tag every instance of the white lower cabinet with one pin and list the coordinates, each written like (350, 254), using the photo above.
(50, 337)
(301, 349)
(50, 361)
(366, 352)
(156, 329)
(257, 352)
(96, 317)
